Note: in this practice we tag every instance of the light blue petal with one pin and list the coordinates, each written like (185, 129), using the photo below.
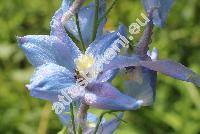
(58, 30)
(100, 45)
(105, 96)
(48, 80)
(86, 17)
(173, 69)
(161, 11)
(42, 49)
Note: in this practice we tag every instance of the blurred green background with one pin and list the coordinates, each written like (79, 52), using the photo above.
(177, 106)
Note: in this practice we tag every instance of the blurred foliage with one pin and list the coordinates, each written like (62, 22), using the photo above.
(177, 107)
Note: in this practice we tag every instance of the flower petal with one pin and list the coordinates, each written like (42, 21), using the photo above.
(105, 96)
(65, 117)
(86, 17)
(107, 76)
(100, 45)
(141, 84)
(66, 4)
(42, 49)
(161, 9)
(153, 54)
(92, 120)
(49, 80)
(111, 126)
(57, 29)
(173, 69)
(122, 62)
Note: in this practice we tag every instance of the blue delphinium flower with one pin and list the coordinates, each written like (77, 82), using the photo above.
(59, 63)
(55, 63)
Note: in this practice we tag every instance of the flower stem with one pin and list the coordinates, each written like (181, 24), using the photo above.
(108, 11)
(98, 123)
(72, 117)
(76, 41)
(82, 115)
(95, 21)
(79, 32)
(119, 119)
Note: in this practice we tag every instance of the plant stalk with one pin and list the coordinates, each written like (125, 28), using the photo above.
(72, 118)
(95, 21)
(79, 32)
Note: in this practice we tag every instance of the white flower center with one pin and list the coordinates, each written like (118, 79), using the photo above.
(84, 62)
(85, 65)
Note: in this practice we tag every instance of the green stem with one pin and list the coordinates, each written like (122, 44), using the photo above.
(72, 117)
(82, 115)
(101, 117)
(79, 32)
(119, 119)
(79, 129)
(108, 11)
(95, 21)
(76, 41)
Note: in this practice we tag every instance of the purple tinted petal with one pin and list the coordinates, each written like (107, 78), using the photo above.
(161, 11)
(152, 77)
(122, 62)
(141, 84)
(105, 96)
(42, 49)
(142, 46)
(48, 80)
(173, 69)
